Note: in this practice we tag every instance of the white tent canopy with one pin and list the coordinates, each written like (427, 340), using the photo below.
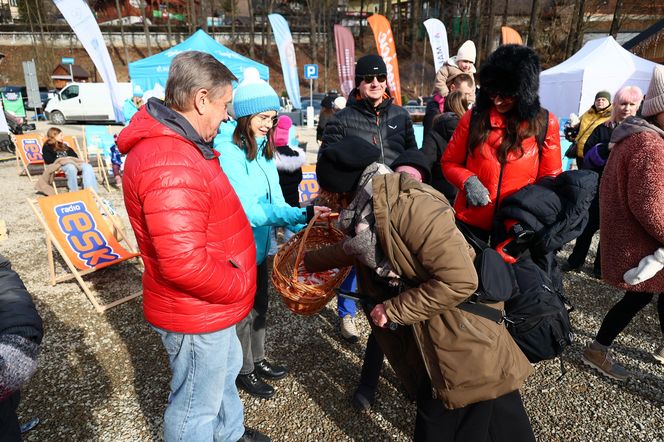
(601, 64)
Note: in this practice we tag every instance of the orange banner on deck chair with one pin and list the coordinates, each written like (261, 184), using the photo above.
(75, 220)
(386, 49)
(29, 147)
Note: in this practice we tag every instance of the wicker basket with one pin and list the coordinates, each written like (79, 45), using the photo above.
(301, 298)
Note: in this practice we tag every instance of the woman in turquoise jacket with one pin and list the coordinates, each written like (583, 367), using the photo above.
(246, 157)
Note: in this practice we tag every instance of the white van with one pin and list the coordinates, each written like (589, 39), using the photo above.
(84, 102)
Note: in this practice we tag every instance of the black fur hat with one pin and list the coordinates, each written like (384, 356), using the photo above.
(511, 71)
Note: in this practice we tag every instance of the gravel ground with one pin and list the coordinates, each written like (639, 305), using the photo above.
(105, 377)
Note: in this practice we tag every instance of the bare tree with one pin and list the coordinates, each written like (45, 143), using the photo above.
(146, 29)
(491, 29)
(416, 19)
(313, 40)
(122, 34)
(578, 29)
(505, 12)
(617, 15)
(534, 19)
(252, 31)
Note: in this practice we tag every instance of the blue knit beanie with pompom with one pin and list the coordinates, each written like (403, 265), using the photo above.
(253, 97)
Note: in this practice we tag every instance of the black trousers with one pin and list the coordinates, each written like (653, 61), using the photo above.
(251, 330)
(623, 312)
(371, 367)
(498, 420)
(583, 242)
(10, 430)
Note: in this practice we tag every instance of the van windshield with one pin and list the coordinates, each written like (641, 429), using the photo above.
(70, 92)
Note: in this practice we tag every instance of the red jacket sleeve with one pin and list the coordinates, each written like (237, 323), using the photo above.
(551, 163)
(453, 161)
(176, 204)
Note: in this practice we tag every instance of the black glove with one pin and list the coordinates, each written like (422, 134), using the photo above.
(476, 193)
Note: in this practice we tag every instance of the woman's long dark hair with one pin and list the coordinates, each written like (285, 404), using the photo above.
(245, 138)
(515, 131)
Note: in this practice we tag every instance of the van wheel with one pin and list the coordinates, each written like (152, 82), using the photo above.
(57, 118)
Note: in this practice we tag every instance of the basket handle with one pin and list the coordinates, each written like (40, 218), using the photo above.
(303, 241)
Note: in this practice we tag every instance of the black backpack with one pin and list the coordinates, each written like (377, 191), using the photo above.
(536, 314)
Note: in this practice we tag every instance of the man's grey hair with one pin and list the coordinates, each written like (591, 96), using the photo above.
(191, 71)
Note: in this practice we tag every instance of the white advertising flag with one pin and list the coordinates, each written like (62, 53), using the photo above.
(80, 18)
(438, 40)
(284, 40)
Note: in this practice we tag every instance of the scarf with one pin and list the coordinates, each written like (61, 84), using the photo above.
(358, 222)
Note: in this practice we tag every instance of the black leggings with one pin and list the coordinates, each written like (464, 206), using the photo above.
(583, 242)
(624, 311)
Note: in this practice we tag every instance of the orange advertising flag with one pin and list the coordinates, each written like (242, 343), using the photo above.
(510, 36)
(386, 49)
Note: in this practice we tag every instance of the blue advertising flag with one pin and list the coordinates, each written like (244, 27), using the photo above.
(284, 40)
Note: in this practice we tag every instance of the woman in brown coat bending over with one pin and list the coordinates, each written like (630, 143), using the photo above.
(414, 267)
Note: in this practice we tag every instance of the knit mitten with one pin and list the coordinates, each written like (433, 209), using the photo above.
(18, 362)
(646, 269)
(476, 193)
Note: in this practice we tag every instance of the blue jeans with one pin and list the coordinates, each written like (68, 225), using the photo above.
(346, 306)
(204, 404)
(87, 173)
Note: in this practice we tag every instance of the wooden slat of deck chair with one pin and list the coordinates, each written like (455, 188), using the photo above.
(73, 223)
(82, 153)
(29, 158)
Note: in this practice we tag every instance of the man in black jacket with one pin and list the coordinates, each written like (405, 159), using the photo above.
(370, 114)
(20, 335)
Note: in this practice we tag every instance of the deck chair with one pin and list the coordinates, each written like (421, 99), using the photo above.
(97, 142)
(29, 160)
(74, 224)
(97, 161)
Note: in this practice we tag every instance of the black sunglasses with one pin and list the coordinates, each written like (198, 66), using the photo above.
(369, 78)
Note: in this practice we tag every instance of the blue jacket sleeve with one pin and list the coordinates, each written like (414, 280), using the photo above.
(278, 197)
(255, 201)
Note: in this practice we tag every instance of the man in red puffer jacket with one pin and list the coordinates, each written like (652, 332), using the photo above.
(197, 246)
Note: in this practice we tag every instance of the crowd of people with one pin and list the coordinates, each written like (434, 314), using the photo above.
(406, 214)
(205, 194)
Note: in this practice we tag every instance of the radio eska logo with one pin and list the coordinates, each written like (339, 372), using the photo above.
(32, 150)
(82, 235)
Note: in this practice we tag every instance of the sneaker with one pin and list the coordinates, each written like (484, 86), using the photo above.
(348, 329)
(602, 361)
(659, 354)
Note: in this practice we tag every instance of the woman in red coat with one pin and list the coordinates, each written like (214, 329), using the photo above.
(631, 212)
(494, 151)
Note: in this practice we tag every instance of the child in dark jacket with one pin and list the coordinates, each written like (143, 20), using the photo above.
(289, 161)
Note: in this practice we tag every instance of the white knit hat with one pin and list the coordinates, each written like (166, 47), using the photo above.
(339, 103)
(653, 104)
(467, 52)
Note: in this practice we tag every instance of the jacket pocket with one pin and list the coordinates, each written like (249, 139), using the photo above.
(468, 350)
(172, 341)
